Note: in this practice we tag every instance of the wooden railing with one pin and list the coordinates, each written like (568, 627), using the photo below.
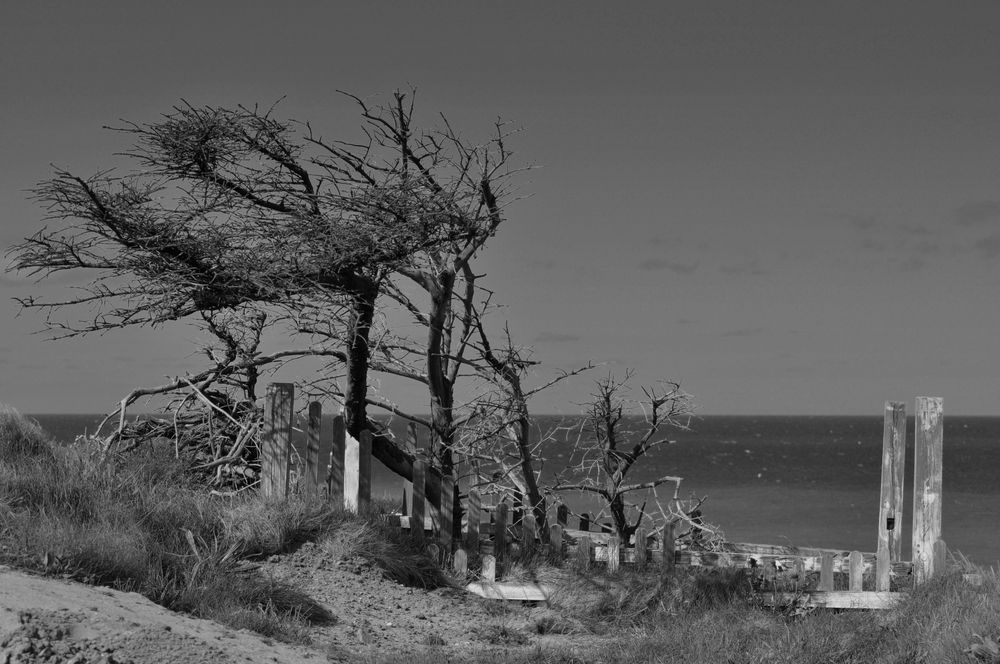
(487, 537)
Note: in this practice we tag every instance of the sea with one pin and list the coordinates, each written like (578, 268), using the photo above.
(794, 480)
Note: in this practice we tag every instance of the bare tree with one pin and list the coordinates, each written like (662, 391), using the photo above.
(617, 434)
(234, 210)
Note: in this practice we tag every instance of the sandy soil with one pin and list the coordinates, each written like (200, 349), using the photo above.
(54, 620)
(376, 619)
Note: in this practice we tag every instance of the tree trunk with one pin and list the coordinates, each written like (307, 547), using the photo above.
(363, 296)
(441, 390)
(522, 435)
(617, 505)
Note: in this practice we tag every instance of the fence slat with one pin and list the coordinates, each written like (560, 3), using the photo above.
(614, 553)
(311, 478)
(669, 547)
(562, 514)
(276, 439)
(528, 532)
(500, 531)
(473, 516)
(556, 540)
(826, 573)
(927, 449)
(856, 575)
(890, 518)
(585, 522)
(640, 547)
(447, 534)
(583, 548)
(461, 563)
(335, 474)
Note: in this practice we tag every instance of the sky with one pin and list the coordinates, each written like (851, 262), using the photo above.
(789, 207)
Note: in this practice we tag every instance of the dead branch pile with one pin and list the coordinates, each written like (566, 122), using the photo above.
(217, 437)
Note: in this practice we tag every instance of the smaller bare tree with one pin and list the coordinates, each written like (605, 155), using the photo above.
(618, 433)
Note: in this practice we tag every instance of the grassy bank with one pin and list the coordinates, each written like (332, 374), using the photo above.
(137, 524)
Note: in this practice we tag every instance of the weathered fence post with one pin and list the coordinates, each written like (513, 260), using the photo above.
(352, 463)
(927, 453)
(528, 529)
(473, 512)
(276, 440)
(562, 514)
(585, 522)
(857, 571)
(640, 548)
(890, 516)
(583, 547)
(614, 553)
(417, 505)
(826, 573)
(556, 540)
(500, 532)
(358, 471)
(335, 476)
(668, 548)
(461, 563)
(311, 479)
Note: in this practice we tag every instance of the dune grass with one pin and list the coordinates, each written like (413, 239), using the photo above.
(137, 523)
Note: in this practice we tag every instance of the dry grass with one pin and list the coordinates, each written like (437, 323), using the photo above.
(138, 524)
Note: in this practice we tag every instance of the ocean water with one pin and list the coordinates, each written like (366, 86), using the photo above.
(805, 481)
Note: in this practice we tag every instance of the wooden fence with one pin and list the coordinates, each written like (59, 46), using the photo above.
(486, 537)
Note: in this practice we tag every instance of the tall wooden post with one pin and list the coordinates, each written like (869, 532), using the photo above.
(890, 515)
(927, 450)
(312, 481)
(335, 476)
(352, 474)
(276, 440)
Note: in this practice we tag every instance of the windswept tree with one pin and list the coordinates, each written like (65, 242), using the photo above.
(234, 220)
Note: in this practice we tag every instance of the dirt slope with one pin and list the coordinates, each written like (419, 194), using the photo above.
(54, 620)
